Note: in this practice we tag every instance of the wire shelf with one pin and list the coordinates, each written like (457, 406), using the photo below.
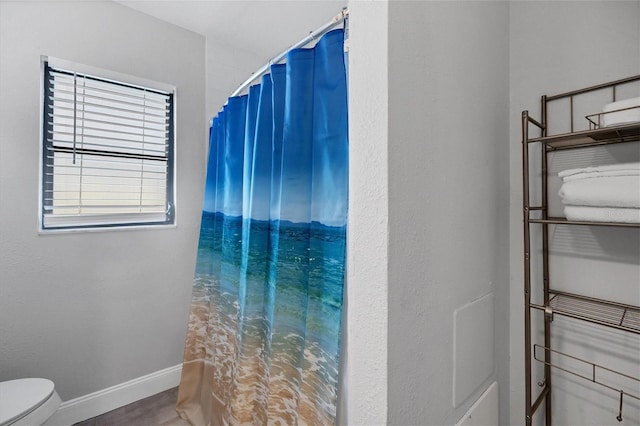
(611, 314)
(596, 121)
(603, 129)
(563, 221)
(591, 137)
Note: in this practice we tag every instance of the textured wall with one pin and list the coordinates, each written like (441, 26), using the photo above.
(448, 194)
(93, 309)
(365, 337)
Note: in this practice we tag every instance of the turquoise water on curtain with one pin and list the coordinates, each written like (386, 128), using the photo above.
(324, 246)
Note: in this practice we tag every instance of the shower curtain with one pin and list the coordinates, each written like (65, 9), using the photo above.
(263, 337)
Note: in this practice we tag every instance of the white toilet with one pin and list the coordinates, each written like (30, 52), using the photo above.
(27, 402)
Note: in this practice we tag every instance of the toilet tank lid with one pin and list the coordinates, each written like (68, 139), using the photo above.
(19, 397)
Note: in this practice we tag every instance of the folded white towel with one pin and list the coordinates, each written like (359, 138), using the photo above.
(610, 191)
(595, 175)
(621, 169)
(602, 214)
(630, 112)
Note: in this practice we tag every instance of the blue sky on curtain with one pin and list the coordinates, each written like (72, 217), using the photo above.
(263, 341)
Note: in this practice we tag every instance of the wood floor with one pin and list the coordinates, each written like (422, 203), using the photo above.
(153, 411)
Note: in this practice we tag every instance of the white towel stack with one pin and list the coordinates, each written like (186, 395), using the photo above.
(602, 194)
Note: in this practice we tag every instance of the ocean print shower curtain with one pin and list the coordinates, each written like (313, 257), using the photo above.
(263, 338)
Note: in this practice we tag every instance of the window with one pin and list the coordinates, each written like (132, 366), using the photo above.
(107, 151)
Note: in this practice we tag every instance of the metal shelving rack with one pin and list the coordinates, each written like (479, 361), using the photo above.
(593, 310)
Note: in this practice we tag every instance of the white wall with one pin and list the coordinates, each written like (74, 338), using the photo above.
(91, 310)
(556, 47)
(365, 375)
(448, 200)
(227, 68)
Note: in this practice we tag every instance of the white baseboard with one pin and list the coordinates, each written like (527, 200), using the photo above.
(102, 401)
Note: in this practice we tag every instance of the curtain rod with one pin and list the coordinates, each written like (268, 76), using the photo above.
(308, 39)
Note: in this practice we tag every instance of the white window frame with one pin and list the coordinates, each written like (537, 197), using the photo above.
(106, 221)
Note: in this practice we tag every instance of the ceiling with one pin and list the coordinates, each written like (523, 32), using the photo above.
(264, 27)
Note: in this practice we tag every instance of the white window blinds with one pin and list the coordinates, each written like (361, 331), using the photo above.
(107, 152)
